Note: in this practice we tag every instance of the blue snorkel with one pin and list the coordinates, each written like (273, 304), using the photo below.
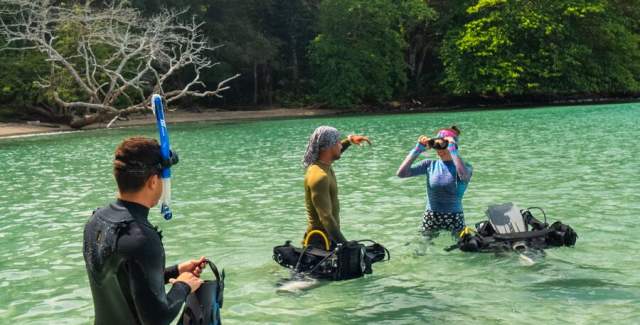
(165, 151)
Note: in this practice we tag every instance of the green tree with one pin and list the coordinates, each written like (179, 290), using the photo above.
(550, 47)
(359, 54)
(416, 26)
(247, 48)
(265, 40)
(293, 23)
(19, 72)
(107, 62)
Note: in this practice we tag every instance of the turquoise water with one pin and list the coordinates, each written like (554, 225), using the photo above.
(238, 192)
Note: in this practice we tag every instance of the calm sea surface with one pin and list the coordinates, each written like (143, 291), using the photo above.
(238, 192)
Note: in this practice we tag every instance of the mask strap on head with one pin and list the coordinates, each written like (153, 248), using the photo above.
(167, 163)
(139, 167)
(448, 133)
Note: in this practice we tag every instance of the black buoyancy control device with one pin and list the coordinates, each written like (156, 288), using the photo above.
(346, 261)
(536, 235)
(203, 306)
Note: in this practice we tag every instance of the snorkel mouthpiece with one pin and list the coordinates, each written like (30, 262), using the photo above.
(168, 158)
(165, 210)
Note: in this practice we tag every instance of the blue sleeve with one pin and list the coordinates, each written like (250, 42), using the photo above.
(469, 169)
(419, 168)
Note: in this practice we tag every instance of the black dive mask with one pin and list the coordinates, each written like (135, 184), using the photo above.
(167, 163)
(138, 167)
(438, 143)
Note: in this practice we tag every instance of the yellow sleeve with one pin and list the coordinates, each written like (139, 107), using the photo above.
(321, 198)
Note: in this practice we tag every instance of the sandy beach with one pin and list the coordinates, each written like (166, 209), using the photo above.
(34, 127)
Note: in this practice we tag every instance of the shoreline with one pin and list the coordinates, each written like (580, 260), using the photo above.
(11, 130)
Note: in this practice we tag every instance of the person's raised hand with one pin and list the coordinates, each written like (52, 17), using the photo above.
(423, 140)
(193, 266)
(452, 146)
(190, 279)
(450, 139)
(358, 139)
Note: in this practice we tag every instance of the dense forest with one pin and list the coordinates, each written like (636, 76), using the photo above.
(341, 53)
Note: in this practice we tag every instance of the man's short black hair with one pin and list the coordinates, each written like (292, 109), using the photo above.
(136, 159)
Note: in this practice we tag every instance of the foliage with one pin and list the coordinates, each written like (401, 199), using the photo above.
(346, 52)
(18, 77)
(359, 54)
(106, 62)
(551, 47)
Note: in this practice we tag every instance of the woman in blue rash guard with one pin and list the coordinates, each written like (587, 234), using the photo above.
(447, 180)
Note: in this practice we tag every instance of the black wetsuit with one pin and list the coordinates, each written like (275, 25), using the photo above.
(126, 265)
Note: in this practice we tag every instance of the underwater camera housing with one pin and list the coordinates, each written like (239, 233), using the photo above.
(509, 228)
(346, 261)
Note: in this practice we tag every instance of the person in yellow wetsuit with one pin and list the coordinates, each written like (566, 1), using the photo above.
(320, 185)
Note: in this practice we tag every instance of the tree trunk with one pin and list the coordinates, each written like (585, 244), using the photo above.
(105, 115)
(255, 83)
(268, 88)
(80, 122)
(49, 113)
(295, 71)
(421, 61)
(420, 67)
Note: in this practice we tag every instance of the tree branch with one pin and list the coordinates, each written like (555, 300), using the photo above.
(118, 52)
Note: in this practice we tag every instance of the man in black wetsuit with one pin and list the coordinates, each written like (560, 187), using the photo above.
(123, 252)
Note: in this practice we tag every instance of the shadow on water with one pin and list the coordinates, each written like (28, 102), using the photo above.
(578, 283)
(585, 289)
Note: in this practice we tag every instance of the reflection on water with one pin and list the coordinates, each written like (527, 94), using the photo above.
(238, 192)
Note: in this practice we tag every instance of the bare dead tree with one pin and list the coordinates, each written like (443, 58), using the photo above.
(119, 56)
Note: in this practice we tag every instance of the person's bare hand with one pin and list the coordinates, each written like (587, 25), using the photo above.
(452, 146)
(423, 140)
(190, 279)
(450, 139)
(193, 266)
(359, 139)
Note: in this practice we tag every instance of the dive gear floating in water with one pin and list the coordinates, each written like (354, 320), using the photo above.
(203, 306)
(512, 229)
(346, 261)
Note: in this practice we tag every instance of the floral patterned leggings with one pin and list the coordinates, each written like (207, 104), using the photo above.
(433, 222)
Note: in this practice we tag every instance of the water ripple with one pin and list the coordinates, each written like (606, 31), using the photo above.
(238, 192)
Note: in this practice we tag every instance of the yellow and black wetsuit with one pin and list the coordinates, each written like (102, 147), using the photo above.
(321, 201)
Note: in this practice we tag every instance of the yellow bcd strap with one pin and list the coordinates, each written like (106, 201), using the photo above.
(319, 232)
(465, 231)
